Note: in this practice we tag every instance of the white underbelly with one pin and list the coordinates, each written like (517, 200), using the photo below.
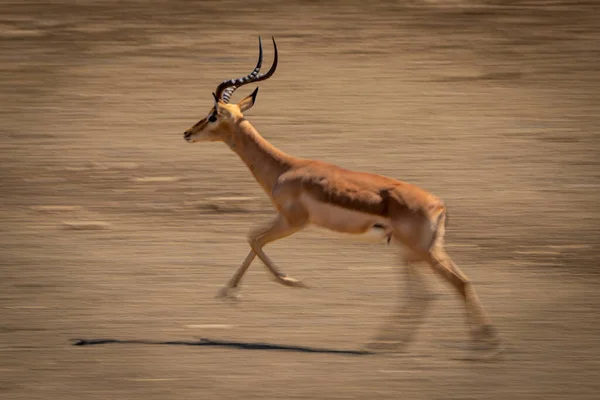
(373, 235)
(353, 225)
(345, 223)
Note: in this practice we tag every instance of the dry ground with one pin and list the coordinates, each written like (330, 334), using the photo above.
(110, 227)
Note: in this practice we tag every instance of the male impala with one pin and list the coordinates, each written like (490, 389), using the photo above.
(308, 192)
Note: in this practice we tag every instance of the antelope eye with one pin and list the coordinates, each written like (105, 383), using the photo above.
(212, 118)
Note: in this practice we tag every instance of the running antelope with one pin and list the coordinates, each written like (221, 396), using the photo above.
(314, 193)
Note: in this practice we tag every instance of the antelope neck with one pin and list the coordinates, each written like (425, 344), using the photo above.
(265, 161)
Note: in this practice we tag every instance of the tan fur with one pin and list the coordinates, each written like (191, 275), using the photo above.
(334, 198)
(314, 193)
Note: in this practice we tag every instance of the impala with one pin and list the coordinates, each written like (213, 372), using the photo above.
(314, 193)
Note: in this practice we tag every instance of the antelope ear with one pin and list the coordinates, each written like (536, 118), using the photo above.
(247, 102)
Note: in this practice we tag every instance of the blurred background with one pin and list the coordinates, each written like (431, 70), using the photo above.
(113, 227)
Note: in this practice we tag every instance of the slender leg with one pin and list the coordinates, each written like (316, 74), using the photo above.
(443, 265)
(237, 277)
(277, 229)
(402, 325)
(258, 238)
(233, 283)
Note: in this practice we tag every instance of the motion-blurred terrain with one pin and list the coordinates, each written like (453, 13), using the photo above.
(113, 227)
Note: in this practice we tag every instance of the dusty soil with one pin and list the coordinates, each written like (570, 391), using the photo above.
(114, 228)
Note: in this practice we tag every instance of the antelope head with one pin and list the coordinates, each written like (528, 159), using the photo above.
(223, 117)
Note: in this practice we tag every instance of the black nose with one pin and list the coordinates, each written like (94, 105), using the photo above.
(186, 134)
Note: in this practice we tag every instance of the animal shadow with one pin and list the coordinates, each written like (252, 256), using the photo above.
(205, 342)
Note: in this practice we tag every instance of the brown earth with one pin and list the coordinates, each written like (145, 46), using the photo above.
(113, 227)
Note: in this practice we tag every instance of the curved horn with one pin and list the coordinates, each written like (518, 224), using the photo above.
(226, 88)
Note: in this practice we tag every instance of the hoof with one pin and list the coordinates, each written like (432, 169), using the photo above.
(291, 282)
(485, 339)
(228, 293)
(486, 333)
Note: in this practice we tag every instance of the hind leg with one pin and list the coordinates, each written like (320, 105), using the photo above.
(477, 318)
(401, 326)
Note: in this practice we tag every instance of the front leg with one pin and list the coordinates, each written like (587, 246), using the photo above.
(258, 238)
(229, 289)
(277, 229)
